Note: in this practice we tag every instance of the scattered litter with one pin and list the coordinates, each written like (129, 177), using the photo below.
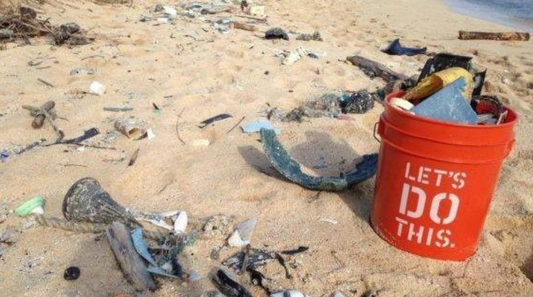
(82, 71)
(4, 155)
(358, 102)
(514, 36)
(32, 206)
(307, 37)
(97, 88)
(276, 33)
(87, 134)
(140, 246)
(131, 127)
(23, 24)
(72, 273)
(329, 221)
(170, 11)
(228, 284)
(294, 56)
(149, 134)
(280, 159)
(395, 48)
(242, 234)
(300, 249)
(254, 127)
(288, 293)
(255, 259)
(200, 142)
(448, 105)
(180, 224)
(216, 9)
(489, 109)
(332, 105)
(162, 21)
(214, 119)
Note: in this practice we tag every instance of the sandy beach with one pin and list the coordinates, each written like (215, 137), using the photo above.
(188, 68)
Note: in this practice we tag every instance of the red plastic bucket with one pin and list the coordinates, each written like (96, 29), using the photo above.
(435, 181)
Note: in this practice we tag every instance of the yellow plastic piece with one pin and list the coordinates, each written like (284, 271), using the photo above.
(435, 82)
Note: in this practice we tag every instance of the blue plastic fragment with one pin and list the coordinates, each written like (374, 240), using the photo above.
(448, 105)
(256, 126)
(160, 271)
(4, 155)
(395, 48)
(289, 168)
(140, 246)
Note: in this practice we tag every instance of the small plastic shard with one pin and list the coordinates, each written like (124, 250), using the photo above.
(395, 48)
(338, 294)
(256, 126)
(255, 259)
(170, 11)
(140, 246)
(288, 293)
(97, 88)
(87, 134)
(32, 206)
(294, 56)
(214, 119)
(180, 224)
(243, 233)
(326, 220)
(160, 271)
(448, 105)
(235, 240)
(289, 168)
(82, 71)
(150, 134)
(227, 284)
(4, 155)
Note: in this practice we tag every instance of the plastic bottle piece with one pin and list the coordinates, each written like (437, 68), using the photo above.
(180, 224)
(294, 56)
(32, 206)
(439, 80)
(97, 88)
(401, 104)
(448, 105)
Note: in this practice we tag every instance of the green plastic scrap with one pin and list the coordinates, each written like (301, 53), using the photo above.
(34, 205)
(289, 168)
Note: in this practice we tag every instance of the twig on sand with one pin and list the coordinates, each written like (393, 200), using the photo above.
(46, 83)
(177, 128)
(240, 121)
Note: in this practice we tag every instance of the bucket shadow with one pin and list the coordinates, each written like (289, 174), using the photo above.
(332, 157)
(527, 267)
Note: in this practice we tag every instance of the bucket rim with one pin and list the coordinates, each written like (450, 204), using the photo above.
(400, 94)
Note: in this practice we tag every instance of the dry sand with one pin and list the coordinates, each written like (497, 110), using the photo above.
(188, 66)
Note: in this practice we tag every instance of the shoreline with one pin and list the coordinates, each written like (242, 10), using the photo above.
(486, 14)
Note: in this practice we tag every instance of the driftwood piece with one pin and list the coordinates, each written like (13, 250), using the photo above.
(373, 69)
(132, 265)
(243, 26)
(514, 36)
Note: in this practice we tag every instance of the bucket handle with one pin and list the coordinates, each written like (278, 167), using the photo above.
(376, 125)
